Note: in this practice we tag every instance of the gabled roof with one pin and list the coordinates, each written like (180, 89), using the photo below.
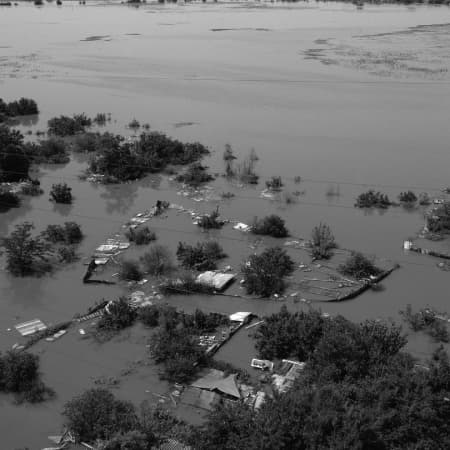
(214, 380)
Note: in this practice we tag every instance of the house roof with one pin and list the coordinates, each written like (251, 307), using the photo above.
(213, 380)
(200, 398)
(240, 316)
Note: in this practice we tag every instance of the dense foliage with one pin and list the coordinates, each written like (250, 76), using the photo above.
(359, 266)
(69, 233)
(272, 225)
(121, 160)
(157, 260)
(120, 315)
(141, 236)
(19, 374)
(21, 107)
(407, 197)
(48, 151)
(372, 199)
(427, 321)
(322, 242)
(438, 220)
(264, 273)
(202, 256)
(14, 163)
(358, 391)
(195, 175)
(68, 126)
(61, 193)
(130, 271)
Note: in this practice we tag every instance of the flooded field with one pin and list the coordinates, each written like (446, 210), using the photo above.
(344, 98)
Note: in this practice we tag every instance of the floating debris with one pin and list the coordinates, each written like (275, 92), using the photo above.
(30, 327)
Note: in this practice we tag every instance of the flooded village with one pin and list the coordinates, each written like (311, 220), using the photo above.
(224, 224)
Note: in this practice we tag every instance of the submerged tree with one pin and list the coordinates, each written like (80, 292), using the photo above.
(322, 242)
(25, 254)
(228, 157)
(61, 193)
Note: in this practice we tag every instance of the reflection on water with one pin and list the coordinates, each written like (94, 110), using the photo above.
(119, 198)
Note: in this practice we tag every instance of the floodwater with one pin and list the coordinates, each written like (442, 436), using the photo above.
(336, 95)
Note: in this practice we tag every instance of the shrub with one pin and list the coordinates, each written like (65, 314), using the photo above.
(202, 256)
(120, 315)
(68, 126)
(195, 175)
(359, 266)
(274, 184)
(149, 315)
(157, 260)
(134, 124)
(426, 320)
(141, 236)
(8, 199)
(211, 221)
(372, 199)
(130, 271)
(263, 273)
(61, 193)
(407, 197)
(424, 199)
(322, 242)
(272, 225)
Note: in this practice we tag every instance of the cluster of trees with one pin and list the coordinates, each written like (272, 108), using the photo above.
(264, 273)
(358, 390)
(211, 221)
(372, 199)
(121, 160)
(98, 416)
(21, 107)
(243, 171)
(47, 151)
(19, 375)
(69, 126)
(195, 175)
(14, 164)
(275, 183)
(202, 256)
(35, 255)
(272, 225)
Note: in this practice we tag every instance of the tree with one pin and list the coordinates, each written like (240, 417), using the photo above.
(203, 256)
(157, 261)
(61, 193)
(130, 271)
(359, 266)
(97, 414)
(322, 242)
(25, 254)
(228, 157)
(120, 315)
(264, 273)
(14, 164)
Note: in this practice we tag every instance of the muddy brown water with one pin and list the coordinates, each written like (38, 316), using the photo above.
(298, 83)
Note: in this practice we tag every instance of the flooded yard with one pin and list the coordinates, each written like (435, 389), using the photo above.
(345, 99)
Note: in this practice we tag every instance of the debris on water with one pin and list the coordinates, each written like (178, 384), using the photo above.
(241, 227)
(30, 327)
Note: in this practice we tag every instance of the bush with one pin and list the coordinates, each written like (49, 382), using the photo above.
(426, 320)
(130, 271)
(407, 197)
(157, 261)
(134, 124)
(141, 236)
(263, 273)
(61, 193)
(149, 315)
(322, 242)
(203, 256)
(272, 225)
(8, 200)
(372, 199)
(68, 126)
(359, 266)
(211, 221)
(274, 184)
(120, 315)
(438, 219)
(86, 142)
(195, 175)
(97, 414)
